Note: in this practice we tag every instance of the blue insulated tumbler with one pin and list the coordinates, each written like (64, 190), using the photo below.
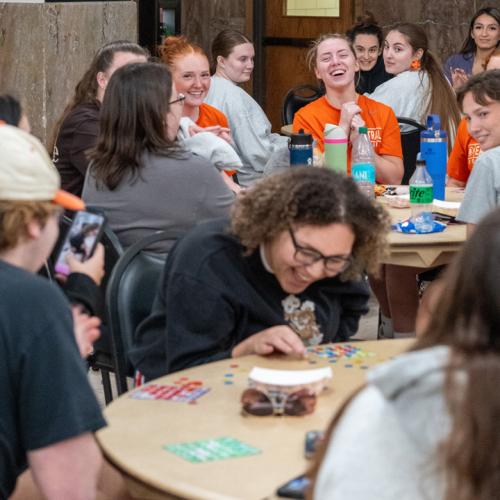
(434, 150)
(301, 149)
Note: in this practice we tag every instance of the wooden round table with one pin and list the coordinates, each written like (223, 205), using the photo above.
(138, 429)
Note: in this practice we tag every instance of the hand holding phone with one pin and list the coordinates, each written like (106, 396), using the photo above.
(81, 239)
(92, 267)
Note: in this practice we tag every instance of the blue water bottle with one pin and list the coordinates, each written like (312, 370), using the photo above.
(301, 149)
(434, 149)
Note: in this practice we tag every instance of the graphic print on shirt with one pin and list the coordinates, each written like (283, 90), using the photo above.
(473, 151)
(375, 135)
(302, 319)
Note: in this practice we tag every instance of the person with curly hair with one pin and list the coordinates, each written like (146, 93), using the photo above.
(286, 271)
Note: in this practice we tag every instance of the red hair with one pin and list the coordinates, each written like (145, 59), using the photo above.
(176, 46)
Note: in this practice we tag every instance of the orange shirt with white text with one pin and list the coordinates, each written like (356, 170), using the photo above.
(463, 155)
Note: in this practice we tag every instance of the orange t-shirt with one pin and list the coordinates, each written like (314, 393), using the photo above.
(383, 128)
(463, 155)
(210, 116)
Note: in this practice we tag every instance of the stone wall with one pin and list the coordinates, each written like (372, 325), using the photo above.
(45, 49)
(202, 19)
(446, 22)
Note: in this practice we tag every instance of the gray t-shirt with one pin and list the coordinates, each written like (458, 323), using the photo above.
(170, 193)
(482, 193)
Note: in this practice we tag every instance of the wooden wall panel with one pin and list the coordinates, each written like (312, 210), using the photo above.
(280, 81)
(202, 19)
(279, 25)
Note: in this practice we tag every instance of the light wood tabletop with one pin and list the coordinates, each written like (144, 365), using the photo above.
(424, 250)
(138, 429)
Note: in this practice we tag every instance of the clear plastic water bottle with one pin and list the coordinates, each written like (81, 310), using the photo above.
(363, 163)
(421, 198)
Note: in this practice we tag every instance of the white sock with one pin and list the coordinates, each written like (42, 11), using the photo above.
(386, 331)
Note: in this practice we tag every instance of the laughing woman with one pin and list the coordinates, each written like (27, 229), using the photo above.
(285, 272)
(334, 62)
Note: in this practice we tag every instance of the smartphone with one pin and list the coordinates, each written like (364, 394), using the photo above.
(81, 239)
(447, 219)
(311, 443)
(296, 488)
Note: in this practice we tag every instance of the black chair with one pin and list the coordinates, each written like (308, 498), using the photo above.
(296, 98)
(410, 142)
(102, 357)
(129, 297)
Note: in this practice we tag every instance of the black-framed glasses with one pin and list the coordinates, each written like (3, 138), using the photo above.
(308, 256)
(180, 98)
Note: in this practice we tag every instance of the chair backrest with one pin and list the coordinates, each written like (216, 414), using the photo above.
(130, 294)
(113, 250)
(296, 98)
(410, 142)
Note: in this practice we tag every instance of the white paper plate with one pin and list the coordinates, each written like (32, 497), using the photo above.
(289, 377)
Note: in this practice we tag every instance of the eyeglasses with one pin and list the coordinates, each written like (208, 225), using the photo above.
(308, 256)
(272, 402)
(180, 98)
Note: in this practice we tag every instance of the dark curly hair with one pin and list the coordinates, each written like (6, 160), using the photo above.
(312, 196)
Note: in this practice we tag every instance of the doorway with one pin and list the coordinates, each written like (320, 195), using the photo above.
(281, 46)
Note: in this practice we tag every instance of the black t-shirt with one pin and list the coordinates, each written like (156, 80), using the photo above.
(212, 297)
(368, 81)
(78, 134)
(45, 396)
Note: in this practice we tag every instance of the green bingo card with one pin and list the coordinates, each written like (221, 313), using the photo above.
(208, 450)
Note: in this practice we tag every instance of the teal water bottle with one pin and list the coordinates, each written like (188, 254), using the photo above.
(363, 163)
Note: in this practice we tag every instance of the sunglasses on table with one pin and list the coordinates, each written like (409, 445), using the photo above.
(264, 403)
(308, 256)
